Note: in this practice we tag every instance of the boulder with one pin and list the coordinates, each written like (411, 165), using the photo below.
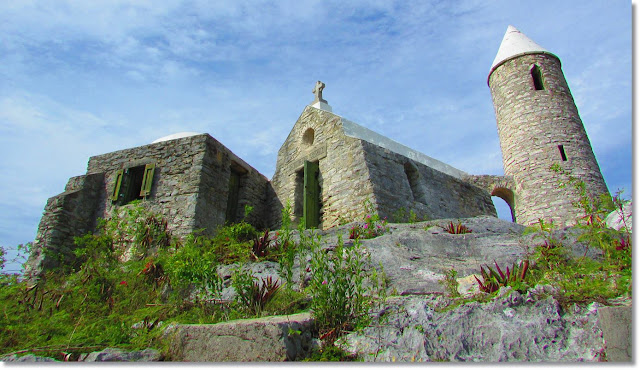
(615, 219)
(274, 338)
(617, 329)
(415, 256)
(27, 358)
(116, 354)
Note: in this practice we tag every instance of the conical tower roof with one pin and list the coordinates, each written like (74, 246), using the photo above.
(515, 43)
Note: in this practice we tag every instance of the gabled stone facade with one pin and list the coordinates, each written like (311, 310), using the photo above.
(357, 165)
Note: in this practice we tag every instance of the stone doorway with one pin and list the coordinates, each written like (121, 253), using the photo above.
(307, 195)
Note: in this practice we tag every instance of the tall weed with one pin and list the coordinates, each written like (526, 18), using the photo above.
(342, 291)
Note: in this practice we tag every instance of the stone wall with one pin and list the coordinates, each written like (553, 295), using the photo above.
(399, 182)
(66, 215)
(190, 188)
(190, 184)
(499, 186)
(217, 165)
(532, 125)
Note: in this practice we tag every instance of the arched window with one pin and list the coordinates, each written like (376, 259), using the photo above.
(308, 137)
(536, 76)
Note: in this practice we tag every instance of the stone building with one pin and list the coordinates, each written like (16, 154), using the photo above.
(329, 167)
(191, 179)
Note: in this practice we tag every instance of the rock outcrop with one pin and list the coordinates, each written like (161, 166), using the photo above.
(514, 327)
(415, 324)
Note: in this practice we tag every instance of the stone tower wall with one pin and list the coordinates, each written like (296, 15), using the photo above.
(532, 124)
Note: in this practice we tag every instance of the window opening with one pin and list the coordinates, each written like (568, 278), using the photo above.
(132, 183)
(308, 137)
(536, 75)
(563, 155)
(413, 176)
(233, 197)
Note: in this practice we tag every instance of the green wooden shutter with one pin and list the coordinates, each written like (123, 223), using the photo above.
(116, 185)
(147, 179)
(311, 201)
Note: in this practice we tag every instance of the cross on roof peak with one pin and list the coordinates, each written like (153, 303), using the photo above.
(317, 91)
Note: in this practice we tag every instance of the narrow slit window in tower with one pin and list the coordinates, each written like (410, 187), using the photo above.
(536, 75)
(563, 155)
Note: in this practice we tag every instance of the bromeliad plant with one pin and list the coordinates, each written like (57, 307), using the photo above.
(457, 229)
(260, 246)
(252, 293)
(492, 280)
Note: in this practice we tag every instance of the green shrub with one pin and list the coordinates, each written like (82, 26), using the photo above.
(450, 283)
(400, 215)
(285, 249)
(584, 279)
(331, 353)
(136, 229)
(341, 290)
(287, 301)
(194, 264)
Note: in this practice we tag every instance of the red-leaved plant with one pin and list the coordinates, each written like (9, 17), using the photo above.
(260, 246)
(457, 229)
(492, 279)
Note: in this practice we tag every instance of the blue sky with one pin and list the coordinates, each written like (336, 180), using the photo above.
(81, 78)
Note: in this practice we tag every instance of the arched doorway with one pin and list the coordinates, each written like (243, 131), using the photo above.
(503, 201)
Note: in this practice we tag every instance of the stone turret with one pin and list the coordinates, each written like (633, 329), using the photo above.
(539, 125)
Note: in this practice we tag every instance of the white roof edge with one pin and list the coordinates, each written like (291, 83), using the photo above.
(354, 130)
(178, 135)
(515, 43)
